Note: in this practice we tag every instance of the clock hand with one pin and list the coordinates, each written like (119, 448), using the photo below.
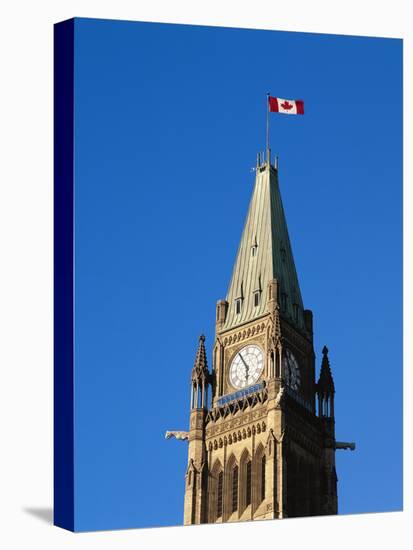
(246, 366)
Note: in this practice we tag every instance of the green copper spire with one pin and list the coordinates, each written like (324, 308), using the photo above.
(264, 254)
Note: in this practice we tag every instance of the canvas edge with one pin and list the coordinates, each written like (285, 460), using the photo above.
(63, 248)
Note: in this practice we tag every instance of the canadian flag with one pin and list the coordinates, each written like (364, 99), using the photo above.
(286, 106)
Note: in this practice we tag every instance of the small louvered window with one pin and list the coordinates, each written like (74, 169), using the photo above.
(257, 298)
(238, 304)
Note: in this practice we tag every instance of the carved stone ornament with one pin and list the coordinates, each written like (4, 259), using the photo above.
(177, 435)
(279, 397)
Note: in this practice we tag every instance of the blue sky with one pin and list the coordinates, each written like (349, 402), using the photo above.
(168, 121)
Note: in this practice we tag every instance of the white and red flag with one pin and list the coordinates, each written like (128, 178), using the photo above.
(286, 106)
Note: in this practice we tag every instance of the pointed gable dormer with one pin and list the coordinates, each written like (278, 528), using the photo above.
(325, 383)
(200, 371)
(325, 388)
(264, 254)
(200, 378)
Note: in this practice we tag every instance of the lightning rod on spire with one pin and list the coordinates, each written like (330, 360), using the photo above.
(268, 129)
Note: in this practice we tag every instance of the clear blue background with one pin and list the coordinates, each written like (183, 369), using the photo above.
(168, 121)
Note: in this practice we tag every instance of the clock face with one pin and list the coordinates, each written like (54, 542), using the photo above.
(246, 367)
(291, 370)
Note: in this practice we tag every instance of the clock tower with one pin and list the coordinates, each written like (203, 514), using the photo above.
(261, 439)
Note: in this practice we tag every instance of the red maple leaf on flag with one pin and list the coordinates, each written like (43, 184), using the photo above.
(287, 106)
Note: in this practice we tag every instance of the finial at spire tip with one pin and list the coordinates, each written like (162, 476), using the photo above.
(325, 350)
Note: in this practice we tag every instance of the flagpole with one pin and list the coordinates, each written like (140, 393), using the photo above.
(268, 128)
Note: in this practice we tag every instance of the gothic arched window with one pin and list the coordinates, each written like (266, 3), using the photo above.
(258, 475)
(215, 486)
(219, 494)
(234, 500)
(272, 365)
(245, 479)
(277, 365)
(248, 483)
(262, 478)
